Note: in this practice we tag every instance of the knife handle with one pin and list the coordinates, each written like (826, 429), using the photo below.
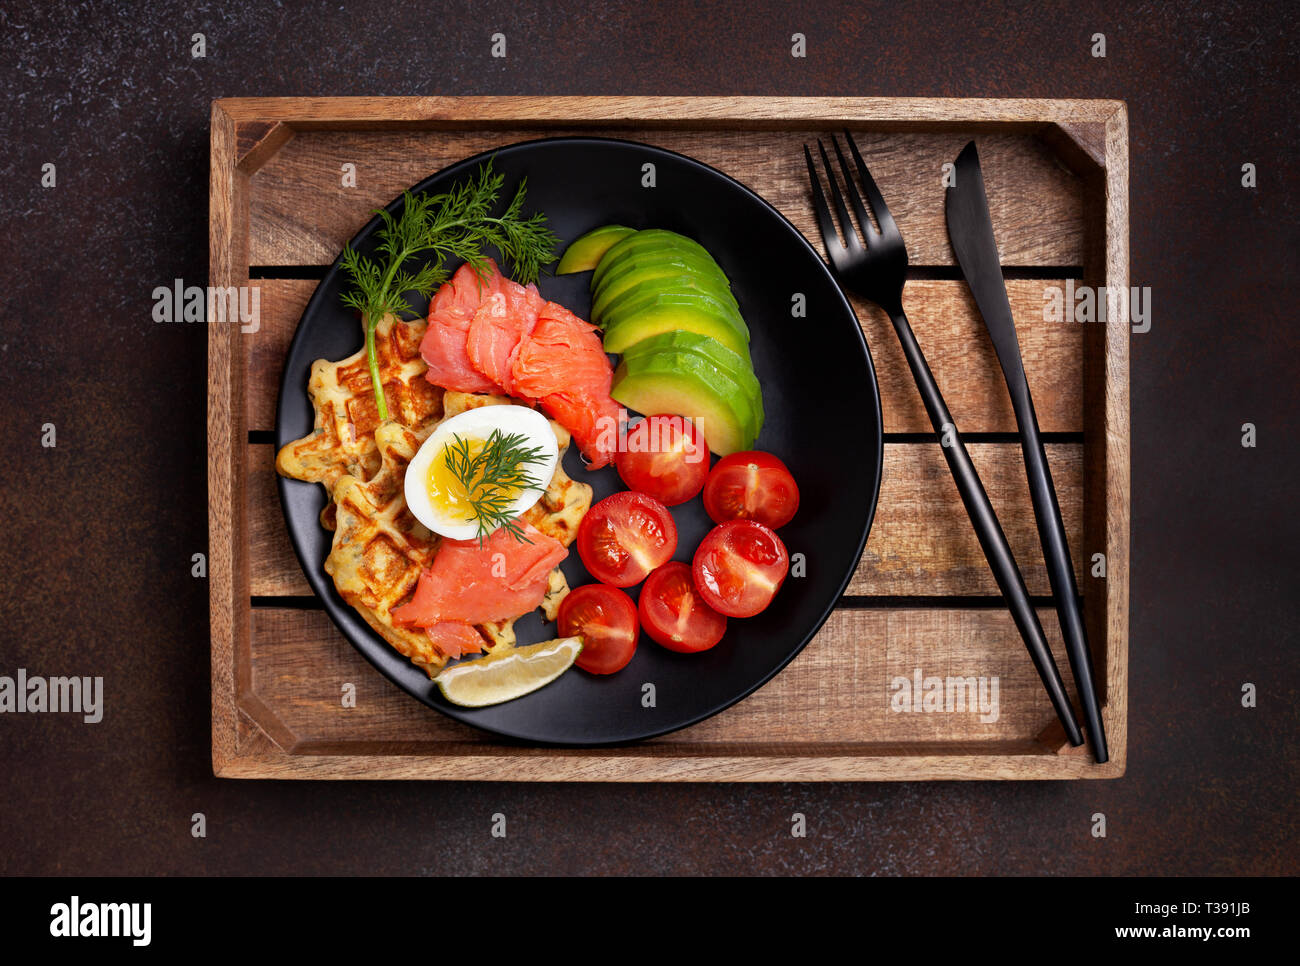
(1060, 569)
(991, 538)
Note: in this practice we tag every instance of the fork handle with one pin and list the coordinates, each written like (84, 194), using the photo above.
(991, 538)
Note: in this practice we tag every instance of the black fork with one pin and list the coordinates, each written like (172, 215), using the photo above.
(875, 266)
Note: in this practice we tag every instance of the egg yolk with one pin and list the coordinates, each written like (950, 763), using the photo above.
(447, 491)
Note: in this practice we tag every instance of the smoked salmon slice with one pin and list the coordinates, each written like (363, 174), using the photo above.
(494, 335)
(455, 638)
(561, 353)
(592, 419)
(499, 327)
(562, 364)
(450, 313)
(498, 581)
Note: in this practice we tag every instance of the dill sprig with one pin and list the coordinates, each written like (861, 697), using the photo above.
(457, 224)
(493, 478)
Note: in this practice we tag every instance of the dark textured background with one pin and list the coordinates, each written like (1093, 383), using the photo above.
(98, 533)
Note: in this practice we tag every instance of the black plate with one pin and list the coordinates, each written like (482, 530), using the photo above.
(823, 420)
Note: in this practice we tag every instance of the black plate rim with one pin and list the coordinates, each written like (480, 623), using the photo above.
(282, 484)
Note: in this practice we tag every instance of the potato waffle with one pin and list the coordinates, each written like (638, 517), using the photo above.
(343, 441)
(379, 548)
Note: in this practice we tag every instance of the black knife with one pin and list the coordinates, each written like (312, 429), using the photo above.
(971, 230)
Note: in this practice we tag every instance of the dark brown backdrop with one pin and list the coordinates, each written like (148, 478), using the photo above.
(98, 532)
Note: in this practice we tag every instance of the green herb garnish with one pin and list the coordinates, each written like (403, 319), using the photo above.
(457, 224)
(494, 478)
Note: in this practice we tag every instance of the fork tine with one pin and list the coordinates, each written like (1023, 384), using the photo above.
(883, 217)
(864, 222)
(850, 235)
(832, 240)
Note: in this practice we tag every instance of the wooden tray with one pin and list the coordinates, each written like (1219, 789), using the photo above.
(923, 596)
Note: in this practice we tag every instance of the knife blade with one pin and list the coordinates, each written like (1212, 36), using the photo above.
(970, 228)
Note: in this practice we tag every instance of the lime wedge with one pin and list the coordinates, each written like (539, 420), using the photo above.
(506, 675)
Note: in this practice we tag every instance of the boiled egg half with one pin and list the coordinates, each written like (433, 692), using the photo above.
(457, 472)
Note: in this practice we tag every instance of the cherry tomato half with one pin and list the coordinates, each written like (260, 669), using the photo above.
(751, 486)
(625, 536)
(675, 615)
(666, 457)
(605, 619)
(739, 567)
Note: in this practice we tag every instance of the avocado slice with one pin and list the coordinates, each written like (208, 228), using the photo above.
(636, 300)
(645, 253)
(635, 269)
(688, 385)
(665, 312)
(686, 284)
(650, 239)
(735, 367)
(585, 253)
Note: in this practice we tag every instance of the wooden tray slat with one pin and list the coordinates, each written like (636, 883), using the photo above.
(943, 315)
(837, 689)
(282, 301)
(301, 214)
(921, 544)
